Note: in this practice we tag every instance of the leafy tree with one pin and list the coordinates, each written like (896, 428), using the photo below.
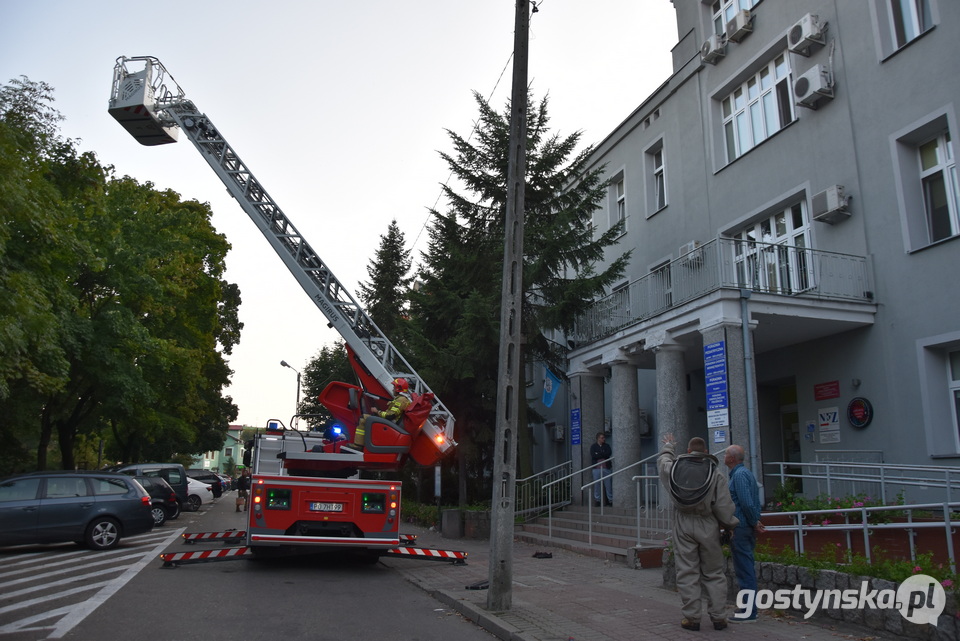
(329, 365)
(456, 311)
(114, 316)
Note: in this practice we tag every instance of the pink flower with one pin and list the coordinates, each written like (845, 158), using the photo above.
(947, 583)
(826, 521)
(917, 568)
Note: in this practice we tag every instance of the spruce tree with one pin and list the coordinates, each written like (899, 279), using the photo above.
(456, 310)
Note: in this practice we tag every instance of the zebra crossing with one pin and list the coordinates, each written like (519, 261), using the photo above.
(46, 591)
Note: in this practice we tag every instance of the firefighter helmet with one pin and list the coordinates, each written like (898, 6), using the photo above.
(400, 385)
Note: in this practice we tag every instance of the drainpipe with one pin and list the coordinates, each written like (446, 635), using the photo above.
(752, 428)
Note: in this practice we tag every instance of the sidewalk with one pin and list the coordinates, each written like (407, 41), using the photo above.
(575, 597)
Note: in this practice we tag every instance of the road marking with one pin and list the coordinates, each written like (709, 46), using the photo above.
(83, 610)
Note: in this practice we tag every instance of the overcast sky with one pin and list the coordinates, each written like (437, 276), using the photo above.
(339, 108)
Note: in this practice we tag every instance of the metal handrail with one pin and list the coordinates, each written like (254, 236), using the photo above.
(523, 485)
(798, 528)
(880, 473)
(600, 480)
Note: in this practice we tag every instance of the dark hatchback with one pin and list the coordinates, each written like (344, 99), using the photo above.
(163, 500)
(210, 478)
(92, 508)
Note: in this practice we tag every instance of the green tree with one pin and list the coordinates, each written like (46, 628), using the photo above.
(385, 296)
(114, 316)
(330, 364)
(456, 311)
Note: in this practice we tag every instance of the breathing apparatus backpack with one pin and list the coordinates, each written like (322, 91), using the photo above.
(691, 478)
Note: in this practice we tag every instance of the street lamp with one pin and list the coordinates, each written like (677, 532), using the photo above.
(296, 406)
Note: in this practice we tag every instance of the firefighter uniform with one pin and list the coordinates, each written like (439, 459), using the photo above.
(696, 540)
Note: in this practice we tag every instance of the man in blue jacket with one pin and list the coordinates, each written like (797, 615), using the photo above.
(746, 498)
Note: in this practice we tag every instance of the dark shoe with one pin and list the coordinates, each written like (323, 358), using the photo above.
(720, 625)
(752, 619)
(596, 504)
(608, 503)
(687, 624)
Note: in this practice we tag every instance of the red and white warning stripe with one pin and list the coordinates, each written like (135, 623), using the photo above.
(193, 537)
(428, 553)
(175, 558)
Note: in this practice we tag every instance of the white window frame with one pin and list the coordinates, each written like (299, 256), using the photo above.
(656, 178)
(909, 19)
(724, 10)
(618, 200)
(912, 176)
(749, 110)
(937, 159)
(773, 254)
(953, 386)
(938, 393)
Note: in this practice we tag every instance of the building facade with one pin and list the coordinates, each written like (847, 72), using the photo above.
(791, 198)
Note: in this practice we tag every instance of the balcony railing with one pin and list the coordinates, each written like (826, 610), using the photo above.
(768, 268)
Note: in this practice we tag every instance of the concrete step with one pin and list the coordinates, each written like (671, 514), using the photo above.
(610, 535)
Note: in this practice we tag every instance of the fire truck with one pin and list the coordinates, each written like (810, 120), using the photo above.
(305, 486)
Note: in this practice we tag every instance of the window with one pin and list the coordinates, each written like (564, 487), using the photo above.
(228, 452)
(939, 370)
(909, 19)
(938, 177)
(19, 490)
(724, 10)
(772, 255)
(58, 488)
(621, 202)
(661, 288)
(757, 109)
(618, 201)
(659, 185)
(106, 486)
(926, 174)
(954, 384)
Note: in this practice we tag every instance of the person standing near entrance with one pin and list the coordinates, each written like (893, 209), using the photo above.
(701, 506)
(600, 455)
(746, 497)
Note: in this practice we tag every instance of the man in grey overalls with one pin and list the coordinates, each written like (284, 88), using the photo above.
(702, 505)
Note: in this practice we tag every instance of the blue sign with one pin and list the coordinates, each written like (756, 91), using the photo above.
(575, 417)
(715, 371)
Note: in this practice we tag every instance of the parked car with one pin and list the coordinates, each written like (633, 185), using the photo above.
(92, 508)
(172, 473)
(163, 499)
(198, 493)
(210, 478)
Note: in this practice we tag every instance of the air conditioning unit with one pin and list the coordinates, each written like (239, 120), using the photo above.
(813, 87)
(712, 49)
(830, 205)
(643, 418)
(806, 34)
(691, 255)
(739, 26)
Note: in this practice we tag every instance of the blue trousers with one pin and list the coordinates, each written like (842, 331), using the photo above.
(607, 483)
(742, 545)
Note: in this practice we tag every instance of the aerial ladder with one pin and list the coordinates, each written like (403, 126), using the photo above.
(304, 491)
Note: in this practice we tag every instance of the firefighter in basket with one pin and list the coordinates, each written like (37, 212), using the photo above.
(394, 411)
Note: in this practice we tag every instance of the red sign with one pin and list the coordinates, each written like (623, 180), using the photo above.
(824, 391)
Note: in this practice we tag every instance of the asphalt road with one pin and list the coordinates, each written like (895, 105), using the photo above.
(67, 592)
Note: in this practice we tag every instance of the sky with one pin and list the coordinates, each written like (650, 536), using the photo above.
(339, 108)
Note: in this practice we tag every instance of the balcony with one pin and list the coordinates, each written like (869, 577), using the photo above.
(787, 272)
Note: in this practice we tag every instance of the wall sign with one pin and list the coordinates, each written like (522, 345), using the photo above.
(860, 412)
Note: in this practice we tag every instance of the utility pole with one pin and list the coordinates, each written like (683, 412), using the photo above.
(510, 390)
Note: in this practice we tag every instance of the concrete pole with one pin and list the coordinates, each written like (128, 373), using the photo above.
(510, 389)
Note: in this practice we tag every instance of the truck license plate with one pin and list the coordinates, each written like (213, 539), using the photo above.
(326, 507)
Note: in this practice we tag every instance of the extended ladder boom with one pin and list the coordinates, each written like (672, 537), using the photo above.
(152, 107)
